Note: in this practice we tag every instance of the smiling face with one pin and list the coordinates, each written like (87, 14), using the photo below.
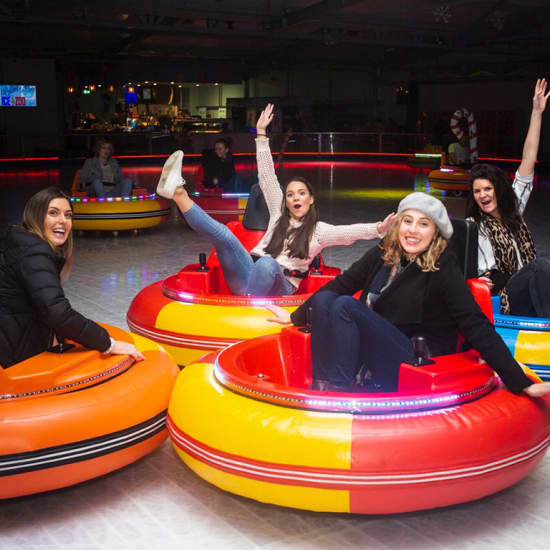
(58, 221)
(416, 232)
(298, 199)
(484, 195)
(221, 149)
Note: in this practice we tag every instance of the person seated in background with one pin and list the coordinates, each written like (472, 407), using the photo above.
(459, 152)
(101, 175)
(219, 168)
(410, 286)
(35, 258)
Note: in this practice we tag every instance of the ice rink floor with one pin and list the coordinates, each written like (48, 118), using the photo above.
(158, 502)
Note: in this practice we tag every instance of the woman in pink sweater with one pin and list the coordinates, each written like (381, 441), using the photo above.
(294, 234)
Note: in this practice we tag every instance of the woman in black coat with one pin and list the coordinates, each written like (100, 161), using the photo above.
(410, 286)
(34, 259)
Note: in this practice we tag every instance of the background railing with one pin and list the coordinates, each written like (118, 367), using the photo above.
(81, 144)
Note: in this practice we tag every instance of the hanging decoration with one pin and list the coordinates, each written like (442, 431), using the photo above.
(442, 14)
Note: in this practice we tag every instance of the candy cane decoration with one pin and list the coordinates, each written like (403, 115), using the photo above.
(472, 130)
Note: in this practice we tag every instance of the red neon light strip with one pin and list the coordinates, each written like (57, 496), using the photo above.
(27, 159)
(288, 154)
(496, 159)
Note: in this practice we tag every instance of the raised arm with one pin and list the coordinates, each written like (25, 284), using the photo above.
(531, 145)
(266, 170)
(330, 235)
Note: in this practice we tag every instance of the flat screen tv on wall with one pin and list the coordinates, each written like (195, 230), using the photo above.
(18, 95)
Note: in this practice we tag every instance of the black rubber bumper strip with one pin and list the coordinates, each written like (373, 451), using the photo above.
(79, 451)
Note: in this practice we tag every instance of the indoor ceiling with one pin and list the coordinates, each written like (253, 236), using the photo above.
(427, 38)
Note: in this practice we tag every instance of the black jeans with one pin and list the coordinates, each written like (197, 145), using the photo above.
(346, 334)
(529, 289)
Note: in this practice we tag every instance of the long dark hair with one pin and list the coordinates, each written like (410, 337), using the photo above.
(507, 202)
(299, 237)
(34, 215)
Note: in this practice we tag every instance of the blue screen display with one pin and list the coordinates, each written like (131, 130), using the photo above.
(130, 97)
(18, 95)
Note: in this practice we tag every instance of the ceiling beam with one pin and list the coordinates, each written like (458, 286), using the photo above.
(315, 11)
(377, 36)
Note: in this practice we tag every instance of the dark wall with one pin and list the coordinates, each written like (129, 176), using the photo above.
(30, 128)
(502, 110)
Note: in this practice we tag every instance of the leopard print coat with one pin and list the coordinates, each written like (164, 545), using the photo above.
(502, 241)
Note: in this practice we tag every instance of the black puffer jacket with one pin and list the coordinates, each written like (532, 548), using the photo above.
(32, 304)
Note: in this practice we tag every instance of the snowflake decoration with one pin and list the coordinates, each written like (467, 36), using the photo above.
(442, 14)
(497, 19)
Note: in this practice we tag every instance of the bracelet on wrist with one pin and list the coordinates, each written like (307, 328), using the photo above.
(261, 135)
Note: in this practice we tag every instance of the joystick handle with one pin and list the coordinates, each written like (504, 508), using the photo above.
(61, 346)
(421, 351)
(202, 262)
(307, 327)
(315, 264)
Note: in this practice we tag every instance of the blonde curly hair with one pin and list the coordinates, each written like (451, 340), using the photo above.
(393, 251)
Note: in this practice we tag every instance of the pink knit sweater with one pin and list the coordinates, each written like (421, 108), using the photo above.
(324, 234)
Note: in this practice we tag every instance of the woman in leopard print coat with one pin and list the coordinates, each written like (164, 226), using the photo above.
(506, 253)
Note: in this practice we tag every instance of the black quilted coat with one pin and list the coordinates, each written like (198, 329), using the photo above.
(33, 305)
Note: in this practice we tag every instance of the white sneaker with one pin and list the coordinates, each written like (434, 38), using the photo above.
(171, 179)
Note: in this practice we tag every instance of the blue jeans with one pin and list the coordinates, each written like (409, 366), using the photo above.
(121, 189)
(346, 334)
(243, 276)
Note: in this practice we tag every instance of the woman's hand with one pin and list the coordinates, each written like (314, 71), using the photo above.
(539, 99)
(486, 279)
(266, 116)
(537, 390)
(531, 144)
(124, 348)
(384, 225)
(282, 316)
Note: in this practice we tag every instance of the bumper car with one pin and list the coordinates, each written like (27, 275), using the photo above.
(193, 312)
(72, 416)
(423, 159)
(139, 211)
(218, 204)
(245, 420)
(527, 338)
(449, 178)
